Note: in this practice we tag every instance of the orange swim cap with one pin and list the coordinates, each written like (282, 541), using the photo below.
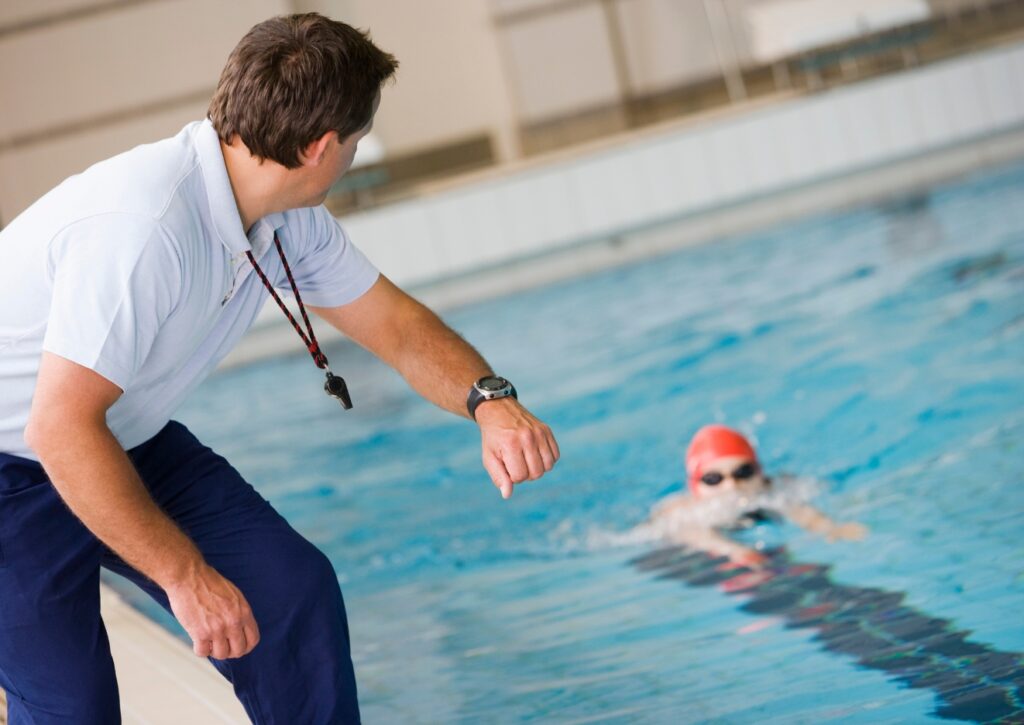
(711, 443)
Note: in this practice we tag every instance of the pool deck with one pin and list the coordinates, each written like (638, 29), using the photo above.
(160, 680)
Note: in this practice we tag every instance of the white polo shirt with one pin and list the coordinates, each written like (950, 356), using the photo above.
(136, 269)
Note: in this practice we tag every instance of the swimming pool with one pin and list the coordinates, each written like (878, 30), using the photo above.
(878, 349)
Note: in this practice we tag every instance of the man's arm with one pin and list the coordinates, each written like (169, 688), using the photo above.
(442, 367)
(68, 431)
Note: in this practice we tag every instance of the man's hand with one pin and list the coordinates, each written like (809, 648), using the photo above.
(516, 445)
(214, 613)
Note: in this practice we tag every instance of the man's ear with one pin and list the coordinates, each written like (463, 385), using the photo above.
(314, 151)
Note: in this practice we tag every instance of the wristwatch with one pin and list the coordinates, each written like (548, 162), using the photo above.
(489, 387)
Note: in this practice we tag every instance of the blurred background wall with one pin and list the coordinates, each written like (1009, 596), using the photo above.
(81, 80)
(482, 82)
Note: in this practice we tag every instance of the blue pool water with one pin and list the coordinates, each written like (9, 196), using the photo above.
(879, 350)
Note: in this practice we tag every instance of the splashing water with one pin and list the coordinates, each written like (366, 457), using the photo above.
(721, 511)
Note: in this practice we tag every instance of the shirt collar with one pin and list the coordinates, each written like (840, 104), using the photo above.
(227, 223)
(261, 236)
(275, 221)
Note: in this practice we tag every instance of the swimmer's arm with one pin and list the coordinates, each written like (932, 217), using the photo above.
(712, 542)
(667, 507)
(700, 538)
(659, 519)
(811, 519)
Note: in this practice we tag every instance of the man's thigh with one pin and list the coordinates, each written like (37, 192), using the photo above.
(288, 582)
(238, 532)
(55, 660)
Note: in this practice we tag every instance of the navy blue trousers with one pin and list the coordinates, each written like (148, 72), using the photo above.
(55, 659)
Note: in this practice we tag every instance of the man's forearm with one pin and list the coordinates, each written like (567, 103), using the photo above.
(408, 336)
(98, 482)
(438, 363)
(442, 367)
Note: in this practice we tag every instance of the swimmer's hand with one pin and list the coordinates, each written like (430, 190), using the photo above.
(851, 531)
(710, 541)
(516, 445)
(748, 557)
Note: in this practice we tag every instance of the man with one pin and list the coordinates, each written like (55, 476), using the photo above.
(119, 291)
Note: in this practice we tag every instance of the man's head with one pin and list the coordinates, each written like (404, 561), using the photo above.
(295, 78)
(720, 460)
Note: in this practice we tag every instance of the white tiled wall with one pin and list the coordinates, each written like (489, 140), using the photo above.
(538, 210)
(1002, 86)
(692, 179)
(932, 109)
(412, 249)
(696, 168)
(775, 159)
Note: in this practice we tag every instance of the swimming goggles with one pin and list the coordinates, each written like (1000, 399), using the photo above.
(713, 478)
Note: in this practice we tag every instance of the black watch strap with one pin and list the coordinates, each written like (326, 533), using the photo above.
(489, 387)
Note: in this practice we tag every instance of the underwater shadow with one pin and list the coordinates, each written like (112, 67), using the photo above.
(973, 681)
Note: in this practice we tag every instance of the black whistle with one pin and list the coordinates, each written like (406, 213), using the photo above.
(336, 388)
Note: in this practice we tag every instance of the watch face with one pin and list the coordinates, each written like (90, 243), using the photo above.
(492, 383)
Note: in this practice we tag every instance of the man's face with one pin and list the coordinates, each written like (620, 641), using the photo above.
(337, 160)
(736, 475)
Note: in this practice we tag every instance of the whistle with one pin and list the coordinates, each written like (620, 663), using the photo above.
(336, 388)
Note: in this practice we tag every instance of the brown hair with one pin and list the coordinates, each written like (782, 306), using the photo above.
(292, 79)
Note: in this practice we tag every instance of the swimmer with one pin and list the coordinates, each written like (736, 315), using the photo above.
(729, 491)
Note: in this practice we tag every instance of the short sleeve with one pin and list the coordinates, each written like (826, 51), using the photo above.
(115, 282)
(330, 271)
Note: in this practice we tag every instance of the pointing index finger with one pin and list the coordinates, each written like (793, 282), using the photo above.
(496, 469)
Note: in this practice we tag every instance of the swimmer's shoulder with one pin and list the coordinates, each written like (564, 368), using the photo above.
(672, 503)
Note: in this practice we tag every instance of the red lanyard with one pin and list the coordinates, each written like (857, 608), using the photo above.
(335, 385)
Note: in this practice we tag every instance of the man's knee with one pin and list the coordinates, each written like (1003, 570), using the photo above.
(314, 581)
(297, 581)
(301, 670)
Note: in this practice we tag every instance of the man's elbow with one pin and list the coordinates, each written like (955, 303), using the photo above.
(33, 434)
(48, 430)
(40, 432)
(69, 400)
